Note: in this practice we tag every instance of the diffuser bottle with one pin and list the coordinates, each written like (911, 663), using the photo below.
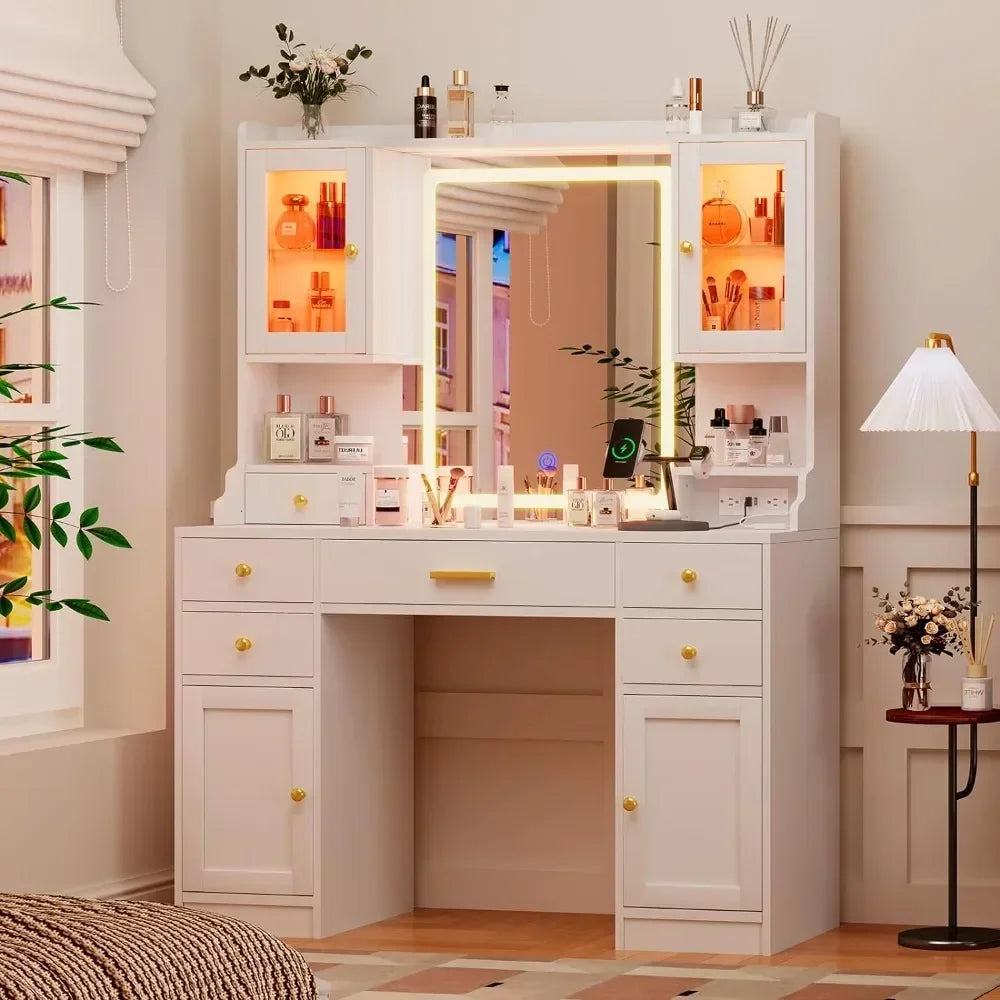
(425, 111)
(295, 229)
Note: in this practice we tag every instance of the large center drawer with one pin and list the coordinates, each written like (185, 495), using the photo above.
(504, 574)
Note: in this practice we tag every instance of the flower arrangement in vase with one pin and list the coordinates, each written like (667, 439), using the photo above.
(311, 76)
(920, 627)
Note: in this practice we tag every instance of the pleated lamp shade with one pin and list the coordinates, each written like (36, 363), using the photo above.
(932, 392)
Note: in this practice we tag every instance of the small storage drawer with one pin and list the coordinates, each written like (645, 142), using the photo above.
(306, 497)
(246, 644)
(683, 575)
(505, 574)
(689, 651)
(247, 569)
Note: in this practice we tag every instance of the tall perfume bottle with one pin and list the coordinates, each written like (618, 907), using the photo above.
(779, 210)
(340, 216)
(461, 107)
(324, 216)
(283, 432)
(761, 225)
(677, 113)
(295, 229)
(502, 115)
(321, 430)
(320, 302)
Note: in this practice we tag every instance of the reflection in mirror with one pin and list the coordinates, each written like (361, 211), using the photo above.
(24, 242)
(523, 271)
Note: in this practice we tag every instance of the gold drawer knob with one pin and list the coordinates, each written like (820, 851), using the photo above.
(300, 500)
(686, 247)
(297, 794)
(689, 652)
(689, 575)
(351, 250)
(629, 804)
(242, 644)
(243, 570)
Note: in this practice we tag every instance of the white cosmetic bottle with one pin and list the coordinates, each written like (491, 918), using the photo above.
(505, 496)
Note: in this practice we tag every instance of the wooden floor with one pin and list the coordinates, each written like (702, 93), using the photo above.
(488, 934)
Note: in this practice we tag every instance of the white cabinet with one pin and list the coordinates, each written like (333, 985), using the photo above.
(693, 802)
(248, 758)
(742, 281)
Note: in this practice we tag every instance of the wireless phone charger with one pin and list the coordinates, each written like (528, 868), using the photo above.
(665, 524)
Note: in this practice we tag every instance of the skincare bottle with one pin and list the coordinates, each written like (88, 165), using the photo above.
(758, 442)
(505, 496)
(761, 226)
(779, 210)
(321, 430)
(339, 216)
(283, 432)
(606, 512)
(324, 216)
(351, 507)
(694, 105)
(778, 447)
(461, 107)
(425, 111)
(320, 302)
(281, 317)
(502, 115)
(676, 111)
(577, 503)
(718, 435)
(295, 229)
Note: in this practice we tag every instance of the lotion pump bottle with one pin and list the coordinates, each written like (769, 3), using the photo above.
(505, 496)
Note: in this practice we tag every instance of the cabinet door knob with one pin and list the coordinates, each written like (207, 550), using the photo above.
(242, 644)
(686, 247)
(629, 804)
(689, 652)
(689, 575)
(351, 250)
(243, 570)
(300, 500)
(297, 794)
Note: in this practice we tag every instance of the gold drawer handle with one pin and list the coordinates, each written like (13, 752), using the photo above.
(243, 644)
(243, 570)
(629, 804)
(689, 652)
(300, 500)
(297, 794)
(485, 575)
(686, 247)
(351, 250)
(689, 575)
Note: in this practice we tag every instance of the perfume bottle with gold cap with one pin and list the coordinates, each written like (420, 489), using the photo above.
(461, 107)
(295, 229)
(320, 302)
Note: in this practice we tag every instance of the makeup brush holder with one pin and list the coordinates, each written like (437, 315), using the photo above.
(977, 694)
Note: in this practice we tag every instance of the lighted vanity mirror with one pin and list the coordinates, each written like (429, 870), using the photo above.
(524, 258)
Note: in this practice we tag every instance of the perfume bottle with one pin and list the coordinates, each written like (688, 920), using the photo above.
(281, 317)
(321, 430)
(461, 107)
(283, 432)
(295, 229)
(721, 219)
(340, 216)
(502, 115)
(324, 216)
(425, 111)
(779, 210)
(577, 503)
(677, 114)
(320, 302)
(758, 442)
(779, 450)
(761, 226)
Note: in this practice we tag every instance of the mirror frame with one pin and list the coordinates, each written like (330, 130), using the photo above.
(437, 176)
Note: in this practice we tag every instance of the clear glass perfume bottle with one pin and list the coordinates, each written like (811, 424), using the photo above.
(321, 430)
(461, 107)
(320, 302)
(677, 112)
(502, 115)
(295, 229)
(755, 115)
(283, 432)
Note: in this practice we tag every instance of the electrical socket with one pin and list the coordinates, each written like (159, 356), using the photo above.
(770, 501)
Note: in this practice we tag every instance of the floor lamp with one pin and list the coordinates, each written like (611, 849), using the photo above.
(933, 392)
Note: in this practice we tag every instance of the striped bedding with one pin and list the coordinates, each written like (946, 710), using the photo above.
(61, 948)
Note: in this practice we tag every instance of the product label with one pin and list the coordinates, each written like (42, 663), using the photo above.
(321, 432)
(289, 228)
(755, 452)
(356, 454)
(387, 500)
(749, 120)
(577, 508)
(606, 509)
(283, 439)
(778, 459)
(737, 451)
(351, 495)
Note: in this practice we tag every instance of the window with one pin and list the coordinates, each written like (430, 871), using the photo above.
(442, 335)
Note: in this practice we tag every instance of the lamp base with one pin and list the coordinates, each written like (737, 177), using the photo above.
(944, 939)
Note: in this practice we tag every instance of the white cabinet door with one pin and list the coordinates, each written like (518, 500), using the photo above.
(289, 248)
(693, 767)
(724, 248)
(244, 751)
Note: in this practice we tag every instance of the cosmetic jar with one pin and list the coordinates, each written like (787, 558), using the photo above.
(390, 500)
(354, 450)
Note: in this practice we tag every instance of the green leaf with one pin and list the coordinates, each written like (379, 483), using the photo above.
(32, 498)
(62, 509)
(14, 585)
(90, 517)
(7, 529)
(282, 31)
(53, 605)
(103, 444)
(6, 606)
(245, 76)
(83, 607)
(32, 533)
(84, 544)
(52, 469)
(58, 532)
(111, 536)
(51, 456)
(11, 176)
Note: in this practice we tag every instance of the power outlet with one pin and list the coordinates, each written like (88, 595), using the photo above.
(771, 501)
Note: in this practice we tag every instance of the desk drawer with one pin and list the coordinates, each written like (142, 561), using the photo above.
(664, 575)
(526, 574)
(292, 498)
(281, 569)
(689, 651)
(246, 644)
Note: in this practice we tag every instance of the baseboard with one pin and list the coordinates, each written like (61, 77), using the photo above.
(152, 887)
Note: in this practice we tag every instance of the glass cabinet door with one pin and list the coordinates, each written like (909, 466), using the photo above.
(304, 246)
(742, 251)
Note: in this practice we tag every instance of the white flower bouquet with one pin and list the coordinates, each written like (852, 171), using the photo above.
(918, 624)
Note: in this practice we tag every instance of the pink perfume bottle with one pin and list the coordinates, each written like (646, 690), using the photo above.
(295, 229)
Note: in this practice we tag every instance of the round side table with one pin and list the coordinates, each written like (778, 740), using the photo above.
(952, 937)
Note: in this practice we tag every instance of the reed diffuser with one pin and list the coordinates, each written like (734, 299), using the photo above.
(758, 62)
(977, 687)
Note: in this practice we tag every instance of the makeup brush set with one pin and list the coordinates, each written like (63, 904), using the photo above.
(720, 312)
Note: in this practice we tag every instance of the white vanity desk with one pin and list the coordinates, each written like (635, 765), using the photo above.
(715, 808)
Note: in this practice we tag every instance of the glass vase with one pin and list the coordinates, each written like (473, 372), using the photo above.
(916, 682)
(312, 120)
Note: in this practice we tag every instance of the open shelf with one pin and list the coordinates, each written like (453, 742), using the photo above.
(747, 471)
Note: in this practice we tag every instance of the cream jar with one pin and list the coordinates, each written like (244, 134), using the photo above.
(354, 449)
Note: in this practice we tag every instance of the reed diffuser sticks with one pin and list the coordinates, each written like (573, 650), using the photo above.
(977, 656)
(758, 63)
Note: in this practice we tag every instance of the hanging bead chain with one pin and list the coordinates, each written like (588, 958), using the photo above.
(531, 282)
(128, 198)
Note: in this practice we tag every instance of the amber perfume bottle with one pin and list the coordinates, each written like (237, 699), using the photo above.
(721, 219)
(295, 229)
(320, 302)
(461, 107)
(761, 225)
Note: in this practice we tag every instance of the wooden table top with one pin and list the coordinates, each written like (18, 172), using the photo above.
(942, 715)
